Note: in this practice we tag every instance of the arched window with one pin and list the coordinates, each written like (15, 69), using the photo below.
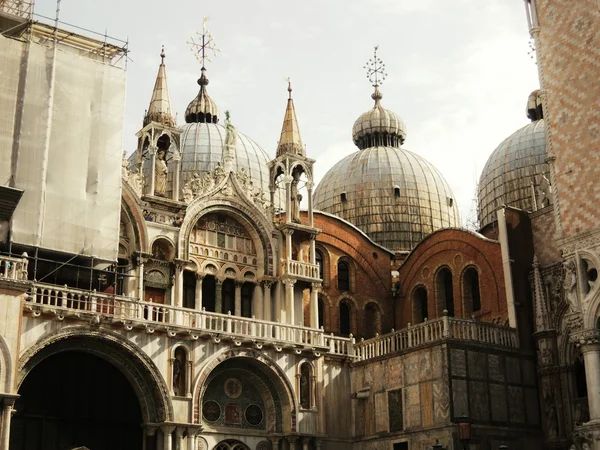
(209, 293)
(372, 320)
(343, 276)
(247, 291)
(419, 304)
(321, 312)
(306, 386)
(445, 292)
(344, 318)
(471, 294)
(179, 371)
(228, 296)
(319, 261)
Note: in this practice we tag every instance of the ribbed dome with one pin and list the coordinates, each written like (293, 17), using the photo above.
(395, 196)
(202, 148)
(509, 172)
(378, 126)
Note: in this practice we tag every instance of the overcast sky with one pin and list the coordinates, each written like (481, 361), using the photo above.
(459, 71)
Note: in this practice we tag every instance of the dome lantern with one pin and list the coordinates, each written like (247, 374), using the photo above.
(378, 126)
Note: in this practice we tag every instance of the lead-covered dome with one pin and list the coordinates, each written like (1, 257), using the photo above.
(517, 163)
(203, 140)
(392, 194)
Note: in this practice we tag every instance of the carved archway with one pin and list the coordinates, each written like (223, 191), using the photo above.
(264, 370)
(143, 375)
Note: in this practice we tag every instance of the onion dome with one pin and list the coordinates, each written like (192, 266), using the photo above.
(393, 195)
(202, 109)
(379, 126)
(159, 109)
(517, 163)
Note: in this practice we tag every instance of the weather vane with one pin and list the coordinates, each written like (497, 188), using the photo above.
(204, 45)
(375, 70)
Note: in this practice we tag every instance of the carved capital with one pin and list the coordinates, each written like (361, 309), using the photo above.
(239, 283)
(200, 276)
(316, 286)
(288, 282)
(288, 231)
(167, 429)
(585, 337)
(267, 284)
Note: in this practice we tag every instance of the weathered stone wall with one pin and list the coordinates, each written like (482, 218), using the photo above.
(543, 227)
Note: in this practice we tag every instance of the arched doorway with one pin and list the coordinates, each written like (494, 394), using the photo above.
(231, 444)
(72, 399)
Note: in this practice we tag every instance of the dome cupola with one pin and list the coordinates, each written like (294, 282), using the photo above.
(202, 109)
(513, 170)
(393, 195)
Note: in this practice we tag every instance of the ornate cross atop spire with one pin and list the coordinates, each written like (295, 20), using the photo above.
(204, 45)
(375, 70)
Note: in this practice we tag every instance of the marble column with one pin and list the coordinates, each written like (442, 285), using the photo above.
(313, 249)
(288, 244)
(149, 437)
(238, 298)
(152, 152)
(305, 443)
(591, 358)
(178, 300)
(219, 295)
(176, 174)
(589, 342)
(292, 441)
(141, 262)
(267, 307)
(179, 438)
(7, 412)
(289, 301)
(167, 436)
(257, 302)
(288, 195)
(198, 300)
(314, 305)
(309, 188)
(278, 314)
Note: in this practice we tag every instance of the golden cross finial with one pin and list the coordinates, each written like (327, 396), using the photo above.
(204, 45)
(289, 82)
(375, 70)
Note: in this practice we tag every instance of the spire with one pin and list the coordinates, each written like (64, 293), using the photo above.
(290, 141)
(160, 103)
(202, 108)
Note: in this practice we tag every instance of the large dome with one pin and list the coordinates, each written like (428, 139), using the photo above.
(202, 149)
(395, 196)
(519, 161)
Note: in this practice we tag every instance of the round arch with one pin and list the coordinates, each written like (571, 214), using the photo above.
(135, 218)
(6, 367)
(257, 227)
(266, 367)
(141, 372)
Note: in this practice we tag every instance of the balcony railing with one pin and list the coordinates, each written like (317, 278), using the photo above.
(65, 301)
(434, 331)
(12, 268)
(301, 269)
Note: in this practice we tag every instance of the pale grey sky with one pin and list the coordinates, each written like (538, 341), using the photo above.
(459, 70)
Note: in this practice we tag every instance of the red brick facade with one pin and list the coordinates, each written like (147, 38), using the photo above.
(456, 251)
(370, 278)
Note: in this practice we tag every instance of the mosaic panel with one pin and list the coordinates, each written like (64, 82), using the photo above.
(478, 399)
(498, 401)
(441, 402)
(395, 410)
(413, 406)
(477, 365)
(411, 369)
(427, 404)
(513, 370)
(459, 397)
(458, 363)
(496, 368)
(516, 408)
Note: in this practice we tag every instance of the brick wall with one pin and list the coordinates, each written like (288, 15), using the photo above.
(370, 275)
(569, 59)
(456, 250)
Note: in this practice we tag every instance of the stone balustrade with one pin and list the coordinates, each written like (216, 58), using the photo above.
(302, 270)
(64, 301)
(436, 330)
(12, 268)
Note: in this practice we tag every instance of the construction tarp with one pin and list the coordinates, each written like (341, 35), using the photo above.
(61, 124)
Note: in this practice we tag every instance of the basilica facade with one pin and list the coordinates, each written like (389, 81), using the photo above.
(204, 293)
